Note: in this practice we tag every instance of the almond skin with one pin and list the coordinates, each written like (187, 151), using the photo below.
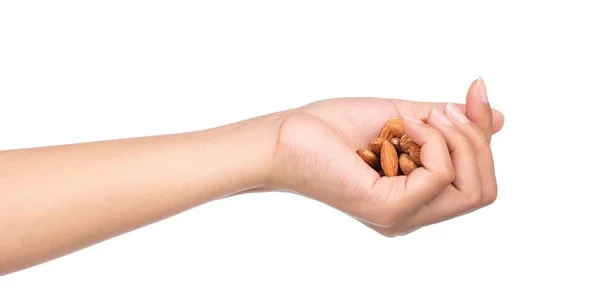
(396, 143)
(375, 145)
(386, 132)
(389, 159)
(395, 119)
(407, 165)
(392, 128)
(369, 157)
(411, 148)
(396, 128)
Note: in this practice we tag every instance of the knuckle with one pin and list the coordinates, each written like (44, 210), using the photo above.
(447, 174)
(476, 135)
(480, 138)
(490, 196)
(465, 143)
(438, 136)
(475, 200)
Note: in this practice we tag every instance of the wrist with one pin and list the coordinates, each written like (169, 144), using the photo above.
(240, 155)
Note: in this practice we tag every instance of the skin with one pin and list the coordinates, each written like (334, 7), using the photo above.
(57, 200)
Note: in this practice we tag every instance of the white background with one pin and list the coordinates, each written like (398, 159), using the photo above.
(75, 71)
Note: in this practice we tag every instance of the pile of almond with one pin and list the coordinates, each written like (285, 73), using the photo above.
(393, 153)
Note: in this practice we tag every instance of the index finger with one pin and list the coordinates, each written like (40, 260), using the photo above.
(425, 183)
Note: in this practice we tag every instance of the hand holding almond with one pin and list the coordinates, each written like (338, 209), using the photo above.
(394, 165)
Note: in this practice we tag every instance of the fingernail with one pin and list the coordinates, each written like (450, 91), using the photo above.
(441, 117)
(456, 114)
(411, 118)
(482, 90)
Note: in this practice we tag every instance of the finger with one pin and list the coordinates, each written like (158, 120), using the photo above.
(497, 117)
(447, 205)
(464, 160)
(426, 182)
(466, 193)
(478, 109)
(422, 109)
(481, 144)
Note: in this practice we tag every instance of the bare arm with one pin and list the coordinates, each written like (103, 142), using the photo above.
(56, 200)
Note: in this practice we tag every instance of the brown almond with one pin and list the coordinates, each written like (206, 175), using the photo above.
(375, 145)
(369, 157)
(396, 142)
(389, 159)
(397, 128)
(411, 148)
(391, 128)
(415, 155)
(407, 165)
(395, 119)
(386, 132)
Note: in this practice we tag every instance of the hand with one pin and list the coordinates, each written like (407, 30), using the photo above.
(315, 156)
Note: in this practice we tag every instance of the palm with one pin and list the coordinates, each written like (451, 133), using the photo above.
(358, 120)
(316, 157)
(316, 152)
(317, 149)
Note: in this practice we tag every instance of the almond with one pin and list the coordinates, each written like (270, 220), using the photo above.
(396, 143)
(375, 145)
(407, 165)
(396, 127)
(369, 157)
(395, 119)
(411, 148)
(389, 159)
(386, 132)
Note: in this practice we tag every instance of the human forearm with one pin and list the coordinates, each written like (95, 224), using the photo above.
(56, 200)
